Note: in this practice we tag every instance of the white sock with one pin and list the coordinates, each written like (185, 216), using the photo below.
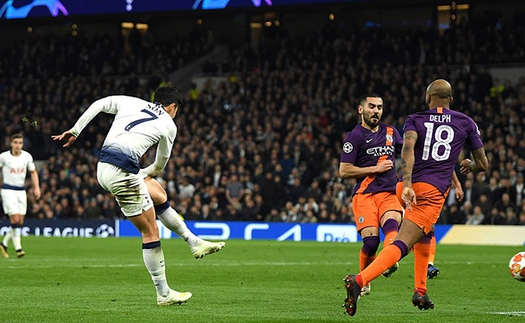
(154, 261)
(172, 220)
(16, 239)
(8, 237)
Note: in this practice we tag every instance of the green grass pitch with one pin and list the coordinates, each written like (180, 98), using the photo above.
(104, 280)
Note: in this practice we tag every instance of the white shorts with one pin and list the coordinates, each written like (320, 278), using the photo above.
(129, 189)
(14, 202)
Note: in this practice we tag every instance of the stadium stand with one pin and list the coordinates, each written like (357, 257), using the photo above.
(276, 123)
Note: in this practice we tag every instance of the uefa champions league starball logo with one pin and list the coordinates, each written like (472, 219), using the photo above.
(10, 11)
(104, 231)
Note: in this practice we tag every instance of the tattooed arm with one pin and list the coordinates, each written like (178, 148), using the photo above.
(407, 157)
(407, 165)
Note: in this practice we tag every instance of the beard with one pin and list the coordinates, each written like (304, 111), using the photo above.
(371, 123)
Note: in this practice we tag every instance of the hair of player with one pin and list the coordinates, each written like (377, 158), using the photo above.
(363, 98)
(168, 94)
(16, 136)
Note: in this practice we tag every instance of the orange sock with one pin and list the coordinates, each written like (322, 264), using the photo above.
(421, 254)
(432, 250)
(368, 251)
(365, 260)
(386, 259)
(389, 238)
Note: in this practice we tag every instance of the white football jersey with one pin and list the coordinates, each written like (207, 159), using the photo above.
(138, 125)
(14, 168)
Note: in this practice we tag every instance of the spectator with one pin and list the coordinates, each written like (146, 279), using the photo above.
(504, 203)
(495, 217)
(510, 216)
(186, 189)
(521, 219)
(476, 217)
(234, 191)
(309, 217)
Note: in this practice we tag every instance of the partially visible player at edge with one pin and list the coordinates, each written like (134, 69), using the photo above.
(139, 125)
(368, 155)
(432, 143)
(15, 163)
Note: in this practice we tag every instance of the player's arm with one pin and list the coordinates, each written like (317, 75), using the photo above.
(459, 189)
(479, 164)
(349, 170)
(407, 165)
(36, 183)
(161, 159)
(108, 105)
(408, 157)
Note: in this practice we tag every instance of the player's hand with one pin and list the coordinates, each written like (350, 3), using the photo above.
(464, 166)
(37, 192)
(409, 197)
(384, 166)
(67, 136)
(460, 194)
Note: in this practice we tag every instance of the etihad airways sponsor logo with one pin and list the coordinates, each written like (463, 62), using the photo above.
(380, 151)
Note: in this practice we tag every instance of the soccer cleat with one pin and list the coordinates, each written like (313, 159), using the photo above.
(173, 297)
(432, 271)
(387, 273)
(422, 301)
(206, 248)
(20, 253)
(365, 290)
(3, 250)
(353, 290)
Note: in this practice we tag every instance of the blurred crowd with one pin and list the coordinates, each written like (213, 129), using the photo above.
(264, 145)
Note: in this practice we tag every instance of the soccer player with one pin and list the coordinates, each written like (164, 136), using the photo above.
(432, 142)
(368, 155)
(15, 163)
(138, 125)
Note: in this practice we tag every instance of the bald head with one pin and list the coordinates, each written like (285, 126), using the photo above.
(439, 93)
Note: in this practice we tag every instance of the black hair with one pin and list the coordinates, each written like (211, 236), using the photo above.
(168, 94)
(363, 98)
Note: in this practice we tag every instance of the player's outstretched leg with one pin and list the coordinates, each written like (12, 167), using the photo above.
(353, 290)
(422, 301)
(173, 221)
(432, 271)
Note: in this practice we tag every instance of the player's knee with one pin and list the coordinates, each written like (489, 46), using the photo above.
(370, 245)
(390, 225)
(157, 193)
(159, 197)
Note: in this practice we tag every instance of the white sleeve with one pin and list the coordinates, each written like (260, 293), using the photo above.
(31, 163)
(163, 155)
(108, 104)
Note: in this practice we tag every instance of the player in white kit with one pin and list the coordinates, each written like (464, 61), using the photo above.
(15, 164)
(139, 125)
